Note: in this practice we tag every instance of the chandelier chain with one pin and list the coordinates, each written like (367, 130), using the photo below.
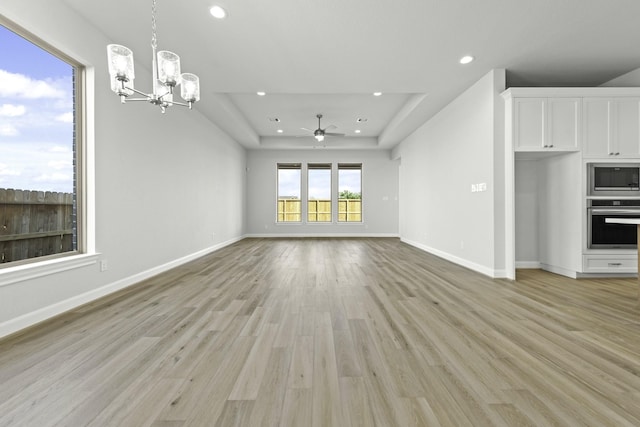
(154, 38)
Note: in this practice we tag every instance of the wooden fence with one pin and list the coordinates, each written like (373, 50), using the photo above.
(319, 211)
(34, 224)
(349, 210)
(289, 210)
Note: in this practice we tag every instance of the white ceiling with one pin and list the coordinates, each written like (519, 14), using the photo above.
(329, 56)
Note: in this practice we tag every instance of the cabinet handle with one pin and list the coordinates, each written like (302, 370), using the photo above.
(551, 146)
(617, 154)
(615, 264)
(612, 154)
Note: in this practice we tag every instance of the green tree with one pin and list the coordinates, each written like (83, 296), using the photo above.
(346, 194)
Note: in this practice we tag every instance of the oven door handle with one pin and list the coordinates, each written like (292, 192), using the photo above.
(629, 212)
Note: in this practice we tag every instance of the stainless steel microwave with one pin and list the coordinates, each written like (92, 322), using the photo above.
(614, 179)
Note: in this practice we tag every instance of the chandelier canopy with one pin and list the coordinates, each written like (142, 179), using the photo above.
(166, 74)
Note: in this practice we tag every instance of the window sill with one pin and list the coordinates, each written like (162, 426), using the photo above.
(20, 273)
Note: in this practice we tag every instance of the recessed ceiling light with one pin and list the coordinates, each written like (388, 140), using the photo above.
(218, 12)
(280, 131)
(377, 93)
(357, 130)
(466, 59)
(261, 93)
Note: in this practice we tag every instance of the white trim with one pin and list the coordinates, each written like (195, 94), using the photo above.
(30, 271)
(289, 235)
(529, 265)
(500, 274)
(572, 92)
(494, 274)
(559, 270)
(606, 275)
(14, 325)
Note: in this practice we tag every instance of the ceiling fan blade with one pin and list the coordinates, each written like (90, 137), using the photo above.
(331, 127)
(308, 130)
(333, 134)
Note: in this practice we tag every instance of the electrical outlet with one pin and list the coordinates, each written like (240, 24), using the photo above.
(474, 188)
(104, 265)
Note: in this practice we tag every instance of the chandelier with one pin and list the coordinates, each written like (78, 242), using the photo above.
(166, 74)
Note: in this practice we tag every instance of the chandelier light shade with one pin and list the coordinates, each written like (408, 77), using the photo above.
(165, 67)
(121, 69)
(190, 89)
(168, 68)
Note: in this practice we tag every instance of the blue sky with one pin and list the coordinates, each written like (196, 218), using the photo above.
(319, 183)
(36, 117)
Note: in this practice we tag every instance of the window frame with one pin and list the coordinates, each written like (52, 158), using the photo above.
(350, 166)
(288, 166)
(83, 254)
(320, 166)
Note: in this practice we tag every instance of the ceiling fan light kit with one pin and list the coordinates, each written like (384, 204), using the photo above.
(319, 134)
(166, 74)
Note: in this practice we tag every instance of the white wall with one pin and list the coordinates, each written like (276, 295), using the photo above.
(379, 192)
(526, 213)
(560, 213)
(163, 183)
(460, 146)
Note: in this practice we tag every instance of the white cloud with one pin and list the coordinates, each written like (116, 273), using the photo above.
(65, 118)
(10, 110)
(58, 149)
(59, 164)
(55, 177)
(8, 130)
(5, 171)
(19, 85)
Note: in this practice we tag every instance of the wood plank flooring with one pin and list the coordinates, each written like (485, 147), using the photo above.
(333, 332)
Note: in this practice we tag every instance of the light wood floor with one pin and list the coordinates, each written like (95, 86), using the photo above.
(333, 332)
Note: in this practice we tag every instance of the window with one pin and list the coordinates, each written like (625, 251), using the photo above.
(319, 192)
(350, 192)
(289, 185)
(40, 146)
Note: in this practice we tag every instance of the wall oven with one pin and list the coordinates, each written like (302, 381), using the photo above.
(602, 235)
(614, 179)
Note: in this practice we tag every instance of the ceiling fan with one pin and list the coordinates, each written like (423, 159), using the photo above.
(320, 133)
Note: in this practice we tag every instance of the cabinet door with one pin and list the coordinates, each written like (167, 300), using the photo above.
(597, 127)
(627, 127)
(529, 124)
(563, 128)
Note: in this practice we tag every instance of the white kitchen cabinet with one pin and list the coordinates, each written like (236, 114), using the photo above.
(547, 124)
(611, 128)
(599, 263)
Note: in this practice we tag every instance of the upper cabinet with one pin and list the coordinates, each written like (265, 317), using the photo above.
(611, 127)
(547, 124)
(601, 122)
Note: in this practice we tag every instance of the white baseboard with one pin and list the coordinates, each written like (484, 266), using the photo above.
(528, 265)
(559, 270)
(14, 325)
(329, 235)
(493, 273)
